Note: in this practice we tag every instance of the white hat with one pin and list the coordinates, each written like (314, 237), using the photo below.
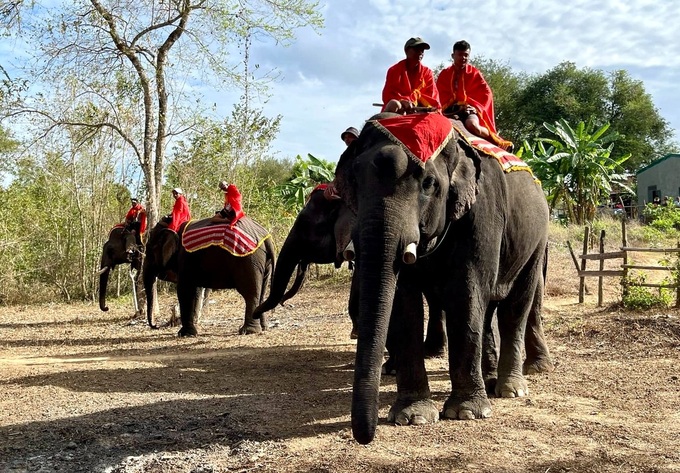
(178, 190)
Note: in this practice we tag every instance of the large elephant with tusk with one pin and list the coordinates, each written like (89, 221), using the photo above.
(437, 217)
(121, 248)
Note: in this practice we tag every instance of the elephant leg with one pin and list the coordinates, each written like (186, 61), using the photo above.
(490, 347)
(511, 323)
(537, 353)
(251, 292)
(435, 339)
(186, 295)
(464, 328)
(414, 405)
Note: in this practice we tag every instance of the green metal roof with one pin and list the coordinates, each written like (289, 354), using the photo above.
(651, 165)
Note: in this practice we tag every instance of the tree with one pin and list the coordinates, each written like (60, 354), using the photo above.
(124, 58)
(574, 95)
(576, 167)
(305, 176)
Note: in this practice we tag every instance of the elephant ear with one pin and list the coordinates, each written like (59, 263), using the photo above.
(465, 167)
(169, 248)
(345, 180)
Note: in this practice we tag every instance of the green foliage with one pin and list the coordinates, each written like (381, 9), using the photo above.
(665, 218)
(524, 103)
(305, 176)
(643, 298)
(576, 167)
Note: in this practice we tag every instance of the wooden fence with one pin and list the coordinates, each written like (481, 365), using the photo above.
(601, 273)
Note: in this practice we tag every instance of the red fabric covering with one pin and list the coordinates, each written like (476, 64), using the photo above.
(472, 90)
(508, 161)
(137, 213)
(115, 227)
(180, 213)
(419, 89)
(421, 135)
(320, 187)
(232, 238)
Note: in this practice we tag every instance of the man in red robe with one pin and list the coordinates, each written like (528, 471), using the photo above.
(232, 211)
(464, 92)
(180, 211)
(135, 219)
(409, 84)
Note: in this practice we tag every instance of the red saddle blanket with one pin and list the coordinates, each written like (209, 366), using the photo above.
(423, 135)
(241, 239)
(116, 227)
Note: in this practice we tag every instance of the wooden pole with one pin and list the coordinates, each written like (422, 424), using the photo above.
(582, 279)
(600, 292)
(677, 280)
(624, 242)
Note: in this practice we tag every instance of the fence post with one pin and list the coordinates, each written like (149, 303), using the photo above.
(677, 279)
(600, 294)
(624, 244)
(582, 279)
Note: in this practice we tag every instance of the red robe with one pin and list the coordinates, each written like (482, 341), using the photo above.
(137, 213)
(472, 90)
(180, 213)
(398, 86)
(232, 201)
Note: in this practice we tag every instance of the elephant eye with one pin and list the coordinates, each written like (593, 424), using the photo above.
(429, 183)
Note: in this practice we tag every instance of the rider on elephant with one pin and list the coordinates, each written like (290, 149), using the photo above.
(135, 219)
(180, 211)
(409, 84)
(232, 211)
(347, 136)
(464, 92)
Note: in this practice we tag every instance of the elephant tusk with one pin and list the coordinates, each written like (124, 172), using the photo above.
(103, 270)
(348, 252)
(410, 256)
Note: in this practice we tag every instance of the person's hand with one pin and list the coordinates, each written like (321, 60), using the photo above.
(407, 105)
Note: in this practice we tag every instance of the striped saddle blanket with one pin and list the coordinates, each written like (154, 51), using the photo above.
(241, 239)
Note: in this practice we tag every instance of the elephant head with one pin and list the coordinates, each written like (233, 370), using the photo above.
(319, 234)
(403, 208)
(160, 262)
(120, 248)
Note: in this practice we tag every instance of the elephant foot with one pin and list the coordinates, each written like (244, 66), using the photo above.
(250, 329)
(187, 332)
(413, 413)
(512, 386)
(476, 406)
(539, 365)
(389, 367)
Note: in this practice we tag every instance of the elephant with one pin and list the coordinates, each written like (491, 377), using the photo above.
(160, 262)
(462, 232)
(120, 248)
(212, 266)
(320, 234)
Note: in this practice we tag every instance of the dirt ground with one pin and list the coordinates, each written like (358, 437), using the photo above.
(83, 390)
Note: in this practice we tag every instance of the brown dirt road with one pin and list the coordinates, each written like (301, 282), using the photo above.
(82, 390)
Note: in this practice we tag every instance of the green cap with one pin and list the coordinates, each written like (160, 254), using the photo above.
(416, 42)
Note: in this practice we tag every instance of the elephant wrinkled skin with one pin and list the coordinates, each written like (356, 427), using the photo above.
(120, 248)
(216, 268)
(486, 232)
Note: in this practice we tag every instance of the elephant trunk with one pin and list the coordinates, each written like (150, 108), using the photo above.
(103, 283)
(289, 258)
(377, 283)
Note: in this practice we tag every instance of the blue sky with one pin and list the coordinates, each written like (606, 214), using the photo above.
(329, 80)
